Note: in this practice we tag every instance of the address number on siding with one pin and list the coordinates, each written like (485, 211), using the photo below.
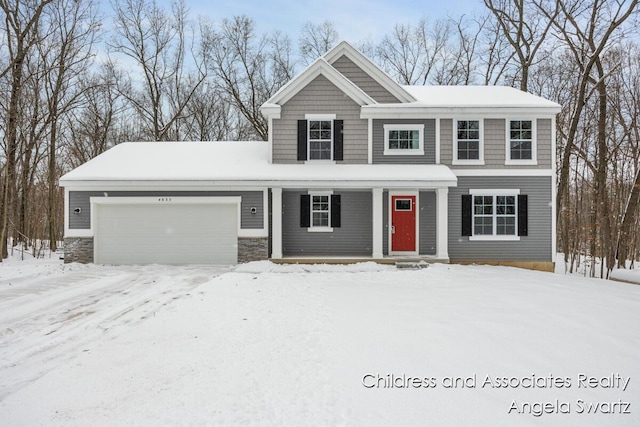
(164, 199)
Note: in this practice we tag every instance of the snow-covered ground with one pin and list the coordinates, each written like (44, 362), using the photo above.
(270, 345)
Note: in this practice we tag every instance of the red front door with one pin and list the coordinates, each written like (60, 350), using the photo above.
(403, 223)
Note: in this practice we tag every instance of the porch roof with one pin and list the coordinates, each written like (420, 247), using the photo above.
(240, 164)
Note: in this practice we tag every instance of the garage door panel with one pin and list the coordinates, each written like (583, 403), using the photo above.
(166, 234)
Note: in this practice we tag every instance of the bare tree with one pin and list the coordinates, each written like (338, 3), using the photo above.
(156, 41)
(525, 28)
(249, 69)
(316, 39)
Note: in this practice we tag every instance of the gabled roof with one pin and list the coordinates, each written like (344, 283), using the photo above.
(368, 66)
(318, 67)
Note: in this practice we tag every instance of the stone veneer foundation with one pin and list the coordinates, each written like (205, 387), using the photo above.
(80, 249)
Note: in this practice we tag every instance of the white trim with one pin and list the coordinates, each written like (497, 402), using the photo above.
(265, 211)
(404, 152)
(370, 141)
(437, 140)
(322, 228)
(495, 237)
(534, 142)
(417, 111)
(377, 222)
(163, 200)
(270, 141)
(369, 67)
(480, 160)
(495, 192)
(502, 172)
(399, 193)
(276, 223)
(329, 181)
(66, 213)
(316, 68)
(270, 110)
(554, 191)
(442, 226)
(318, 117)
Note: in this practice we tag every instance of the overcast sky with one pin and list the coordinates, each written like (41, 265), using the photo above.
(355, 20)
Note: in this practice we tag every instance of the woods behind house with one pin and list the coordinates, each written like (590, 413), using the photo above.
(77, 77)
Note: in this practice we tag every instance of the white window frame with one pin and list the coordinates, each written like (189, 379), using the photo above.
(315, 118)
(480, 159)
(494, 193)
(534, 145)
(404, 152)
(319, 229)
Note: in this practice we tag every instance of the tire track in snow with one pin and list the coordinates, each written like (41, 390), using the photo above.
(47, 320)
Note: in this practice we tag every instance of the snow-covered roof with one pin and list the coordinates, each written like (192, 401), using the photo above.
(476, 96)
(239, 163)
(464, 100)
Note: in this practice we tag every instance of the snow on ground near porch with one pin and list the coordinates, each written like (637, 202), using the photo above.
(273, 345)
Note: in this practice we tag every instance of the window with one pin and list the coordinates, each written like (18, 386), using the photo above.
(403, 204)
(494, 215)
(468, 146)
(403, 139)
(320, 139)
(320, 211)
(521, 142)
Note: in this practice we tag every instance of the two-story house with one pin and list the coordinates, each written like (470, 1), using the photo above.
(357, 167)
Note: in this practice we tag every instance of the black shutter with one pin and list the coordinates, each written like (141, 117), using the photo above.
(302, 140)
(337, 140)
(466, 215)
(305, 210)
(335, 210)
(523, 220)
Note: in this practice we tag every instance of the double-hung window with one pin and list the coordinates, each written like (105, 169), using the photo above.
(320, 210)
(404, 139)
(468, 142)
(521, 144)
(494, 215)
(320, 138)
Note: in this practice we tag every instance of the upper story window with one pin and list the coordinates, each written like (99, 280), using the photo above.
(320, 138)
(521, 146)
(468, 147)
(404, 139)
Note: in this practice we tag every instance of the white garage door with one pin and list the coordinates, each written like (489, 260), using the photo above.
(169, 233)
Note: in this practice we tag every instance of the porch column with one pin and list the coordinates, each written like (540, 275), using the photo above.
(377, 223)
(276, 223)
(442, 234)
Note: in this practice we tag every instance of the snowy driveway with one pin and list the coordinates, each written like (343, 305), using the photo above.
(49, 312)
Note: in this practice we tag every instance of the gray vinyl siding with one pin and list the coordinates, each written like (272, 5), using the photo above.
(320, 96)
(363, 80)
(495, 145)
(352, 238)
(534, 247)
(426, 227)
(80, 199)
(429, 156)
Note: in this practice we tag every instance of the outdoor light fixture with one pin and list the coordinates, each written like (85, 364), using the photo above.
(77, 211)
(254, 210)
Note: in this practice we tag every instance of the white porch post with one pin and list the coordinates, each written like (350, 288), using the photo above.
(377, 223)
(276, 223)
(442, 249)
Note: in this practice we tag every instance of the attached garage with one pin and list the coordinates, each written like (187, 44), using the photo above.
(165, 230)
